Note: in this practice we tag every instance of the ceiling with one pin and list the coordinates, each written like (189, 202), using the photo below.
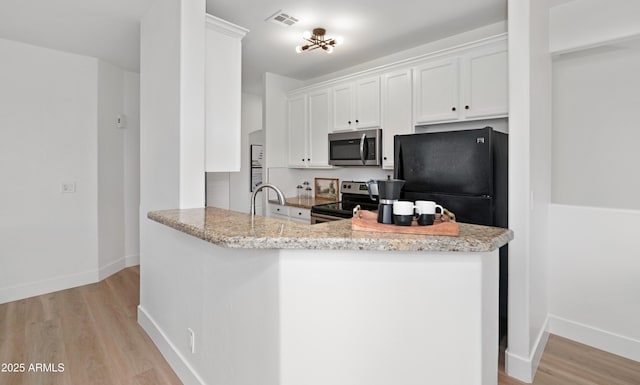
(106, 29)
(109, 29)
(370, 28)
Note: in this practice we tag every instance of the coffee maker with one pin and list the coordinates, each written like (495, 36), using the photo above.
(388, 192)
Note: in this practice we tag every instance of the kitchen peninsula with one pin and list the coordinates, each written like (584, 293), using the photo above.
(282, 303)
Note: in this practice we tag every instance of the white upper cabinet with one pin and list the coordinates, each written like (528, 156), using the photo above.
(436, 91)
(464, 83)
(223, 93)
(318, 146)
(367, 103)
(356, 104)
(396, 111)
(469, 86)
(308, 123)
(485, 74)
(297, 123)
(343, 107)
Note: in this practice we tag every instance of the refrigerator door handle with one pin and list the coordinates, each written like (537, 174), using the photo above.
(362, 141)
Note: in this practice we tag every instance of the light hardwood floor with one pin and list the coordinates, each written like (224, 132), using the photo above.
(93, 331)
(565, 362)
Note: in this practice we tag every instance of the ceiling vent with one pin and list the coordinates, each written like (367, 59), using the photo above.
(282, 18)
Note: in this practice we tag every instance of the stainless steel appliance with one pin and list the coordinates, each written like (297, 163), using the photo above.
(353, 194)
(356, 148)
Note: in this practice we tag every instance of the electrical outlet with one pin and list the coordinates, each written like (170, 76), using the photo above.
(68, 187)
(121, 121)
(192, 340)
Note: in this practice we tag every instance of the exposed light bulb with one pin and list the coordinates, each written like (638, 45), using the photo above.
(306, 35)
(329, 49)
(339, 40)
(298, 49)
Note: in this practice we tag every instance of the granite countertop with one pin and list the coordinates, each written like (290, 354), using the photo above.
(304, 203)
(233, 229)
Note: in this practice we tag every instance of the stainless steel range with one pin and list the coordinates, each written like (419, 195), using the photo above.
(353, 194)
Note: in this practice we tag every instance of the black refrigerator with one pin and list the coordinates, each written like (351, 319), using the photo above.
(466, 172)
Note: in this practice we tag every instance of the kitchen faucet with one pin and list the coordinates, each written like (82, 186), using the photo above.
(279, 193)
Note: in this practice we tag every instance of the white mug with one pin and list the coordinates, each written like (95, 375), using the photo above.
(427, 207)
(402, 208)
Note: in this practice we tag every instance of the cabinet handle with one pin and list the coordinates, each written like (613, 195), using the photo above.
(302, 159)
(453, 108)
(299, 213)
(466, 107)
(385, 158)
(308, 159)
(357, 121)
(349, 122)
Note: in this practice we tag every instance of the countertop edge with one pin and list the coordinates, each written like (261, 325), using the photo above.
(426, 244)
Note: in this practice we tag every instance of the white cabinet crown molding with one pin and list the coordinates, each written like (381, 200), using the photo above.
(458, 49)
(225, 27)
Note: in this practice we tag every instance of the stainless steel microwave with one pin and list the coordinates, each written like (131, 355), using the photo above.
(356, 148)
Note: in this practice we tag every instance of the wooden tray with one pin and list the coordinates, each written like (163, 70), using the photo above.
(364, 220)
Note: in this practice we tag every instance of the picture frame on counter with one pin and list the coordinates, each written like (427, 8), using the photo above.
(328, 188)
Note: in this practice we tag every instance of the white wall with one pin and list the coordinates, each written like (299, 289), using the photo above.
(593, 280)
(54, 115)
(118, 169)
(192, 107)
(218, 189)
(594, 256)
(585, 23)
(48, 116)
(595, 120)
(110, 169)
(132, 168)
(529, 184)
(171, 158)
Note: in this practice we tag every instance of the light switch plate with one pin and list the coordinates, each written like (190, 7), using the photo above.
(68, 187)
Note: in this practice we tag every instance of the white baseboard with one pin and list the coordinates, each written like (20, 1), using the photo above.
(524, 368)
(32, 289)
(597, 338)
(116, 266)
(176, 360)
(110, 269)
(131, 260)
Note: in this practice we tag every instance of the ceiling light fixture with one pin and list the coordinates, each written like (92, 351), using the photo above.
(317, 39)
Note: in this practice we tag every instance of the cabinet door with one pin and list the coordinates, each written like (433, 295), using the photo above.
(299, 214)
(367, 103)
(297, 123)
(484, 76)
(436, 91)
(222, 101)
(318, 154)
(342, 107)
(278, 211)
(396, 111)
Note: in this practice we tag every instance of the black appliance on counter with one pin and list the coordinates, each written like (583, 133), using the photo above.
(464, 171)
(353, 194)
